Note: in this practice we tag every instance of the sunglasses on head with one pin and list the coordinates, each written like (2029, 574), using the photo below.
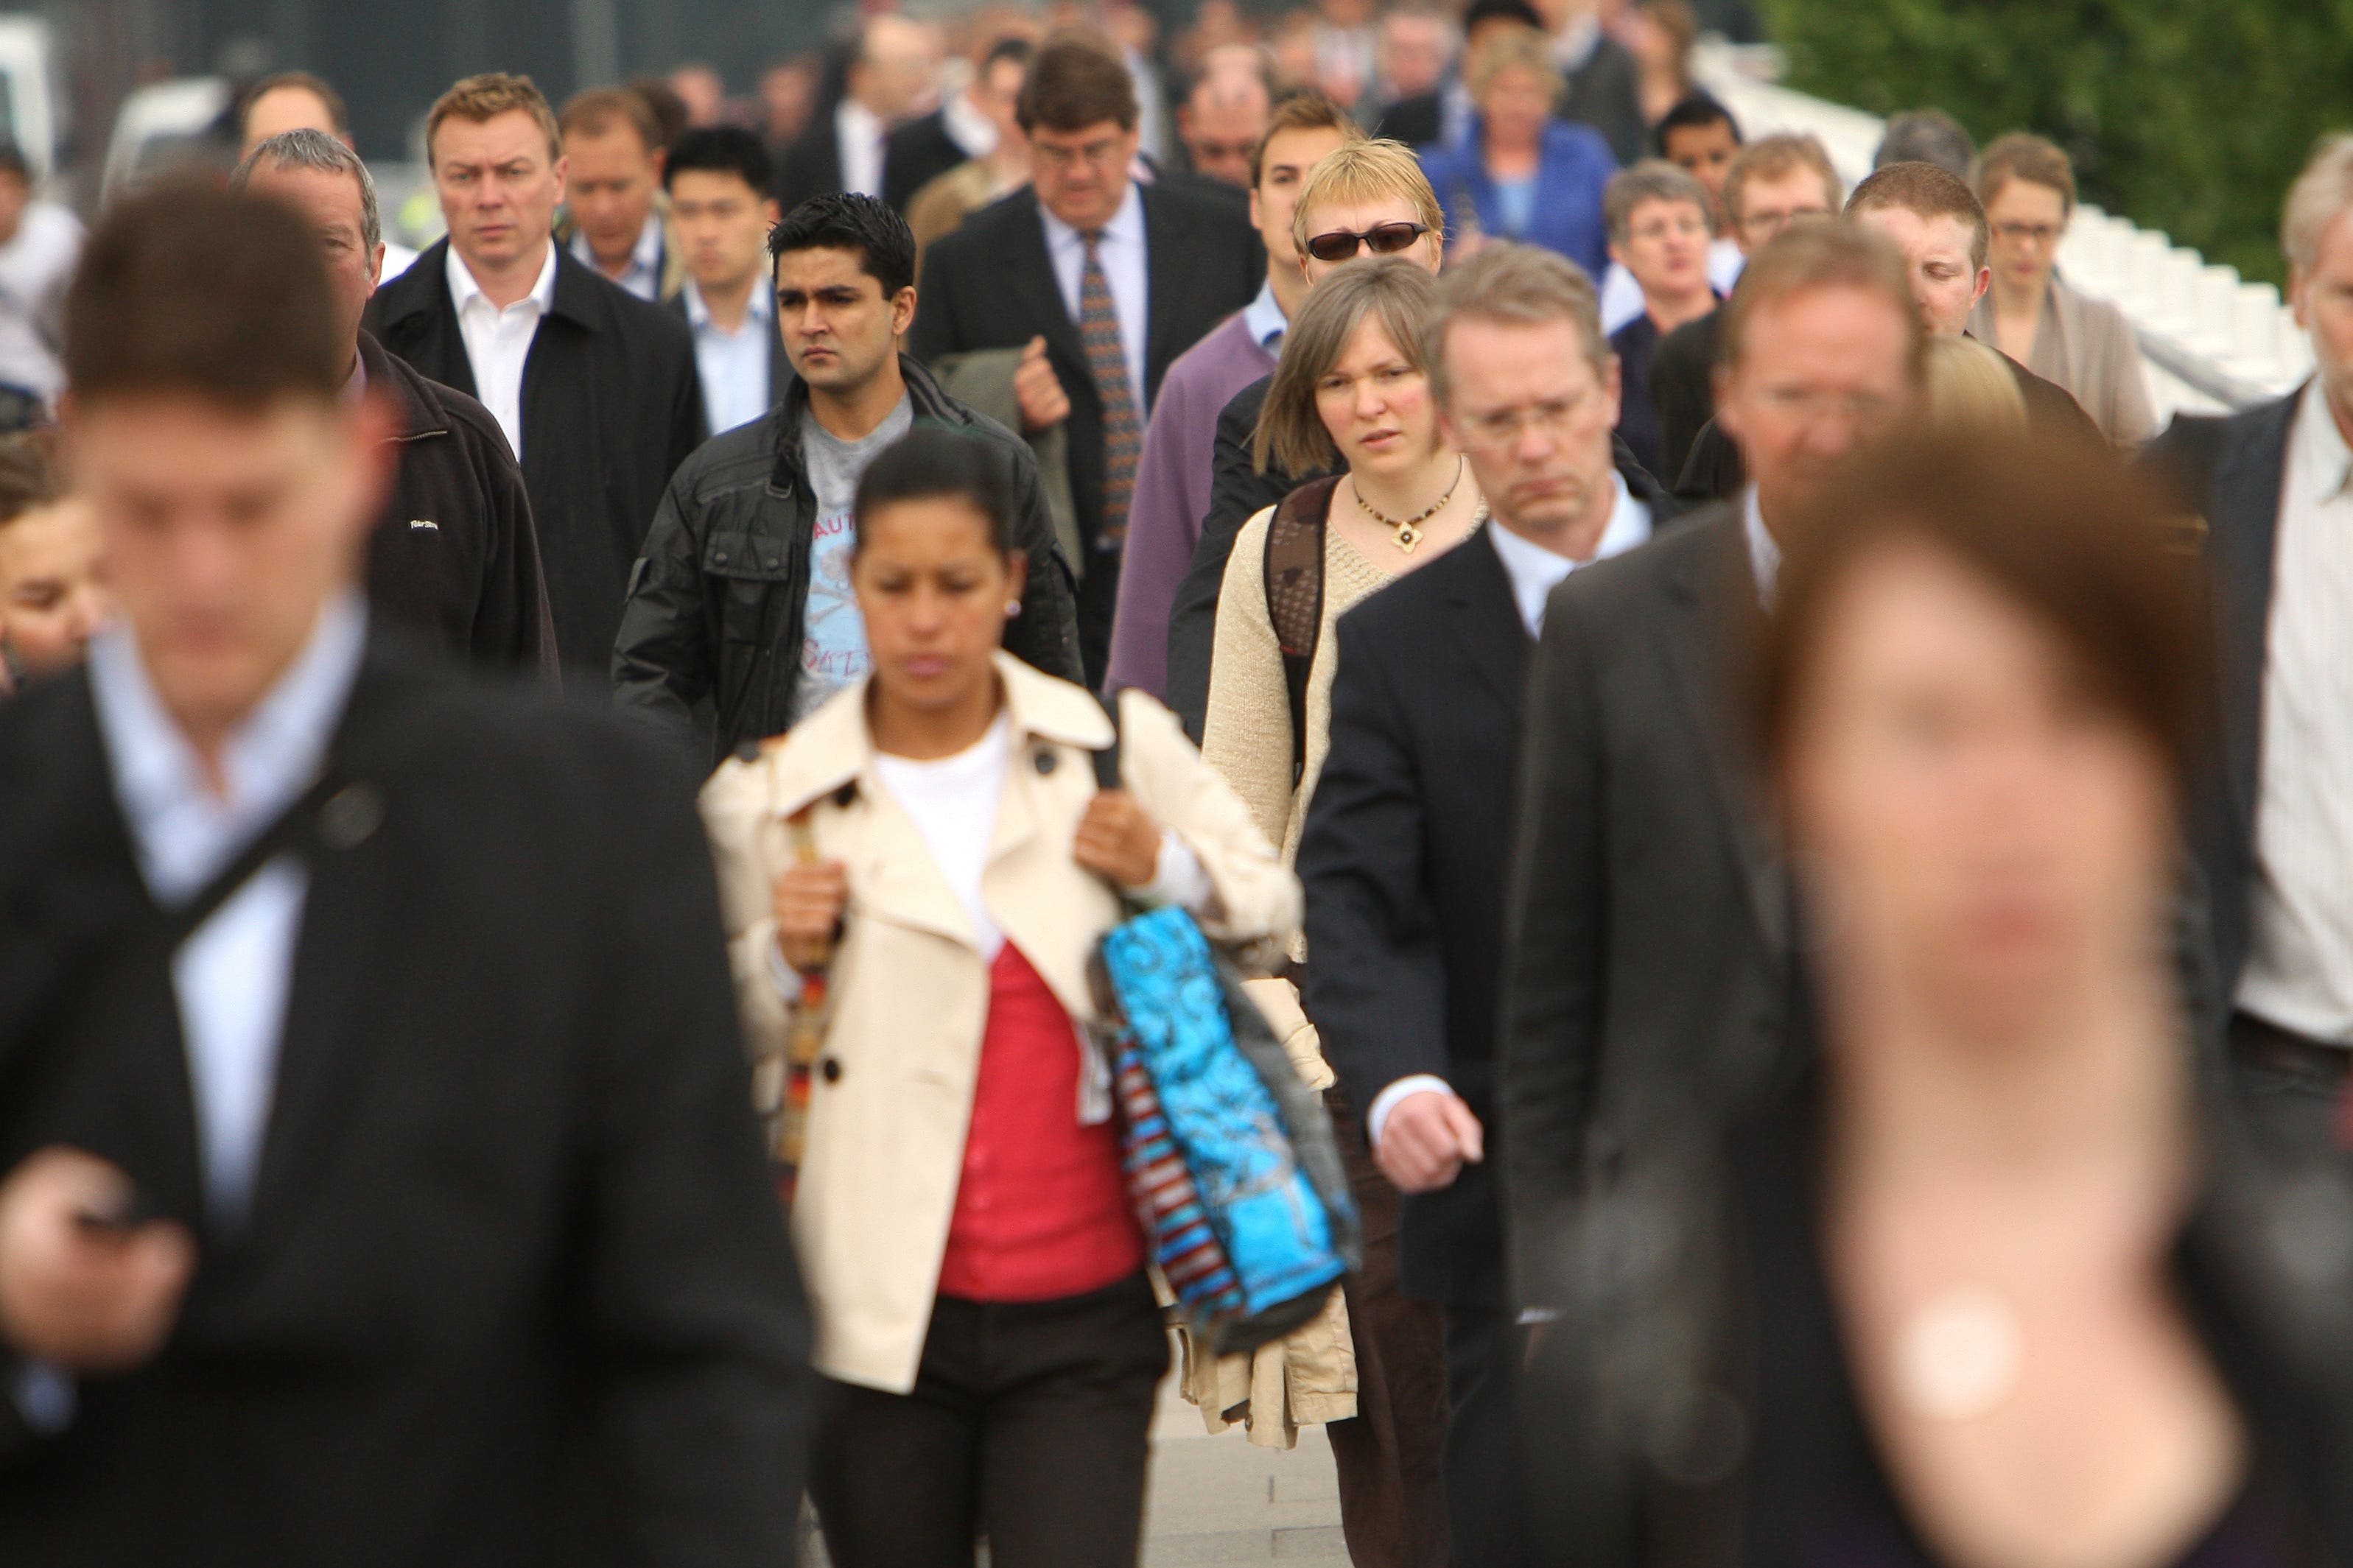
(1381, 239)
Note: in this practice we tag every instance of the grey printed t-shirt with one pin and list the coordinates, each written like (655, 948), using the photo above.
(833, 635)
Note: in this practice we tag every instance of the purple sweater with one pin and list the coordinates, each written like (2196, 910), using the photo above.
(1172, 497)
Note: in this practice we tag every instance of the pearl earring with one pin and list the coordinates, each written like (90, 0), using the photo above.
(1012, 608)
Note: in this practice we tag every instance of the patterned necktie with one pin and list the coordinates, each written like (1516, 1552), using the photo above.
(1107, 363)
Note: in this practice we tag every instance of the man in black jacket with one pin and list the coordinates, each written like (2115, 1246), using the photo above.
(742, 602)
(382, 1182)
(455, 553)
(595, 390)
(1170, 263)
(1408, 842)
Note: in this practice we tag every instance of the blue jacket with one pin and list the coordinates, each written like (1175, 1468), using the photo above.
(1567, 213)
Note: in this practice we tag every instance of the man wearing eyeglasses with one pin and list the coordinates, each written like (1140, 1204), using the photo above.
(1408, 837)
(1099, 280)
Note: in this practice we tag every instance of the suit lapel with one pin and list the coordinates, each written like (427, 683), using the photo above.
(1029, 275)
(1485, 622)
(2241, 539)
(1164, 278)
(1712, 609)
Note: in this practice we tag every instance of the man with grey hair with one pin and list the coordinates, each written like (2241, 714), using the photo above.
(1659, 237)
(2273, 827)
(455, 554)
(1408, 839)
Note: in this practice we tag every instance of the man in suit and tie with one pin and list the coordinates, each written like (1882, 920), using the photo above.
(594, 389)
(382, 1186)
(1103, 279)
(1409, 839)
(847, 150)
(2272, 830)
(718, 183)
(1646, 962)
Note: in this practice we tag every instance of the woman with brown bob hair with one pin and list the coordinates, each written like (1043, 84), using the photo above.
(1982, 1273)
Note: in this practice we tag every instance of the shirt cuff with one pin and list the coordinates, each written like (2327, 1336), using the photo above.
(44, 1396)
(1387, 1101)
(1177, 877)
(787, 978)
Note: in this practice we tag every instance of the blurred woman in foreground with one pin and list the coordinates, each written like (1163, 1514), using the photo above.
(1988, 1279)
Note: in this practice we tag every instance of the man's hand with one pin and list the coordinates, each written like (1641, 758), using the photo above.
(1118, 840)
(1427, 1139)
(76, 1289)
(807, 901)
(1044, 404)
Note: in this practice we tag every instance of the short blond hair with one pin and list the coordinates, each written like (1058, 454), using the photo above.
(1820, 253)
(1510, 49)
(1971, 391)
(486, 97)
(2321, 195)
(1522, 285)
(1397, 292)
(1366, 171)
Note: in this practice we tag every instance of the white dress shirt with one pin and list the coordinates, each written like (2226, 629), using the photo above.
(734, 366)
(1764, 550)
(397, 259)
(1265, 319)
(1126, 269)
(642, 276)
(861, 133)
(1534, 572)
(36, 265)
(232, 975)
(2299, 969)
(974, 133)
(498, 341)
(1622, 297)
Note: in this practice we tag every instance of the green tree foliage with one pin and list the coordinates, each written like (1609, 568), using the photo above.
(2190, 116)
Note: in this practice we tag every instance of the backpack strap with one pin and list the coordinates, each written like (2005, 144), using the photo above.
(1294, 597)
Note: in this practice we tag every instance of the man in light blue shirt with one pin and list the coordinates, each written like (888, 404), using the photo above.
(718, 183)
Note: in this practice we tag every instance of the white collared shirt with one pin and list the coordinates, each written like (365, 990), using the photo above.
(1265, 319)
(734, 366)
(231, 977)
(1534, 572)
(2299, 969)
(859, 133)
(498, 341)
(642, 276)
(1127, 270)
(974, 133)
(1764, 550)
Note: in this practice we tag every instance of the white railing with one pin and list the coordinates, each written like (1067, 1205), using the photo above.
(2210, 340)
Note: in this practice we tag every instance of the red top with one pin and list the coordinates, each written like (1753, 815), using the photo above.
(1042, 1209)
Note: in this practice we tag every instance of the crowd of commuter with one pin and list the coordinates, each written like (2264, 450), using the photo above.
(571, 795)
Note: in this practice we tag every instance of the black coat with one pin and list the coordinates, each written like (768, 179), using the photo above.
(990, 285)
(811, 167)
(715, 608)
(917, 154)
(1237, 492)
(1415, 121)
(1404, 858)
(455, 555)
(1606, 92)
(515, 1287)
(611, 406)
(1682, 390)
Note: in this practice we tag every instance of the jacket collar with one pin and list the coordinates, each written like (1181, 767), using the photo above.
(400, 384)
(833, 746)
(923, 393)
(423, 289)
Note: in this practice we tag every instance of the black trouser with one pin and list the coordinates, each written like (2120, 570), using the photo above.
(1485, 1505)
(2294, 1088)
(1029, 1425)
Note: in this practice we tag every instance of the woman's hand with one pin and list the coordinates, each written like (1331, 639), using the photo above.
(1118, 840)
(808, 902)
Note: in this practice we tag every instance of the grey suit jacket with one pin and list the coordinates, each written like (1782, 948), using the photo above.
(1645, 974)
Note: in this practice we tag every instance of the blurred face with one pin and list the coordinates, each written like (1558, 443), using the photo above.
(610, 178)
(1819, 373)
(284, 109)
(500, 186)
(1516, 106)
(1533, 416)
(722, 227)
(330, 203)
(1769, 206)
(1413, 54)
(1946, 277)
(1082, 175)
(1221, 125)
(1987, 830)
(995, 92)
(898, 70)
(1377, 404)
(2027, 220)
(1665, 248)
(1289, 157)
(2323, 297)
(786, 95)
(839, 330)
(52, 591)
(932, 590)
(1706, 153)
(703, 92)
(225, 532)
(1363, 218)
